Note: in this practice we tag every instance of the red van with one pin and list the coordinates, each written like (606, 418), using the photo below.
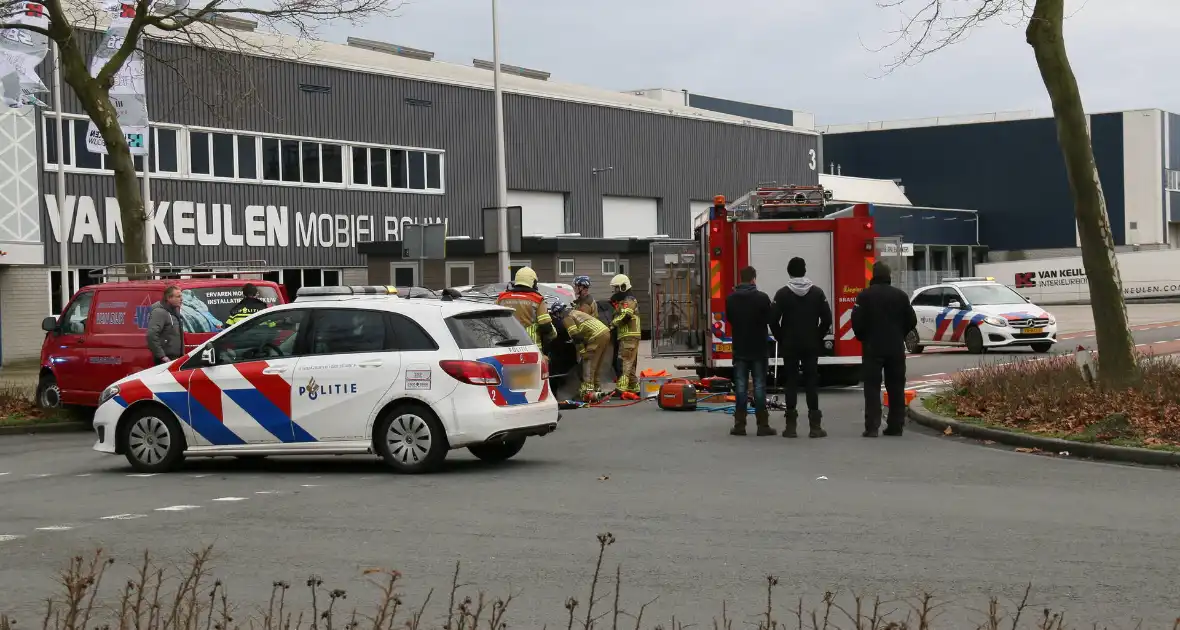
(100, 336)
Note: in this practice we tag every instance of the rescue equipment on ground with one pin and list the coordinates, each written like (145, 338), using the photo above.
(910, 395)
(650, 382)
(678, 395)
(718, 384)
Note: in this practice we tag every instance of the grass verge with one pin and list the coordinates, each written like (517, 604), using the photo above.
(162, 596)
(1051, 398)
(17, 408)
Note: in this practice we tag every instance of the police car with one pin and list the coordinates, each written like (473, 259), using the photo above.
(978, 313)
(341, 370)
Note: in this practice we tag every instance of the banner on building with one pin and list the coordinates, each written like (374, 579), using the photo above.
(128, 93)
(21, 51)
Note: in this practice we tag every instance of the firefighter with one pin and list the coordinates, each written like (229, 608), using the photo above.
(592, 339)
(524, 298)
(249, 305)
(582, 299)
(626, 325)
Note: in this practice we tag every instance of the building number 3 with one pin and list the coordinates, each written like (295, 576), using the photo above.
(811, 159)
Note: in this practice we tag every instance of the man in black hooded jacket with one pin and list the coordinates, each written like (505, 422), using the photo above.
(748, 311)
(248, 305)
(800, 318)
(881, 319)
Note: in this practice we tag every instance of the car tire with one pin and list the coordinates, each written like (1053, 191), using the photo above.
(1042, 348)
(410, 438)
(974, 339)
(497, 451)
(911, 343)
(152, 439)
(48, 393)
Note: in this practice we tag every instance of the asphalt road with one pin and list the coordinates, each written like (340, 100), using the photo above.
(699, 517)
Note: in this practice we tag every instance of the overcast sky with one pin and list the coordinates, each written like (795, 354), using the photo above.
(812, 55)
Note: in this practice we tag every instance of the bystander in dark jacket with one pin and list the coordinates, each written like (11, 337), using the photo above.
(165, 333)
(881, 319)
(800, 319)
(747, 314)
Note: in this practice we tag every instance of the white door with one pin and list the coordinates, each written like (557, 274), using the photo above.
(629, 216)
(255, 363)
(927, 307)
(403, 274)
(541, 213)
(770, 253)
(349, 366)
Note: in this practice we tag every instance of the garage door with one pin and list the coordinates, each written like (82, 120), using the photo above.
(541, 213)
(628, 216)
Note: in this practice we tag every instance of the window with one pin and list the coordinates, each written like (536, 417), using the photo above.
(1173, 180)
(205, 310)
(404, 274)
(460, 274)
(310, 152)
(247, 157)
(74, 320)
(929, 297)
(270, 159)
(417, 169)
(83, 158)
(623, 266)
(163, 150)
(293, 279)
(610, 266)
(565, 267)
(332, 163)
(487, 329)
(224, 162)
(360, 165)
(269, 336)
(78, 278)
(343, 331)
(408, 335)
(289, 160)
(379, 168)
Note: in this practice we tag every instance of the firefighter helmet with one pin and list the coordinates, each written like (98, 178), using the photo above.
(582, 281)
(525, 276)
(620, 283)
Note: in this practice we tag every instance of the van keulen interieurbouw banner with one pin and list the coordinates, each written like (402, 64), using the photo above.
(129, 93)
(21, 51)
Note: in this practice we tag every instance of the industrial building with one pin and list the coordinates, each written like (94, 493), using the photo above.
(1009, 168)
(302, 151)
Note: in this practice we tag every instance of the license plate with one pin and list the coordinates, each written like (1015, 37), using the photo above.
(1033, 331)
(522, 378)
(725, 347)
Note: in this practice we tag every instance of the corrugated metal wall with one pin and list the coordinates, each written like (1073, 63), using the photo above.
(552, 146)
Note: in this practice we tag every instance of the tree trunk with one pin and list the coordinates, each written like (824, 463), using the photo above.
(1116, 346)
(96, 102)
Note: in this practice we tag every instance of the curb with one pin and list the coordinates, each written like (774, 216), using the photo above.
(1128, 454)
(49, 427)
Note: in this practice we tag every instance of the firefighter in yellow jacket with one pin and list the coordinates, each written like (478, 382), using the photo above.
(626, 324)
(592, 339)
(583, 301)
(524, 298)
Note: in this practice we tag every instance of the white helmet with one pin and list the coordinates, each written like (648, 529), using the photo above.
(620, 283)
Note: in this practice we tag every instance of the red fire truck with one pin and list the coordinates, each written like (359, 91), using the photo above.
(764, 228)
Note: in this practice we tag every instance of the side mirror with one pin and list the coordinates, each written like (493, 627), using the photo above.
(954, 304)
(209, 355)
(49, 324)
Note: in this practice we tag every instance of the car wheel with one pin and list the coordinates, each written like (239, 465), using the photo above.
(152, 440)
(1042, 348)
(911, 343)
(974, 340)
(48, 393)
(410, 439)
(497, 451)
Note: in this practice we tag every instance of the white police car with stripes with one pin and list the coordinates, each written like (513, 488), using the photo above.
(978, 313)
(341, 370)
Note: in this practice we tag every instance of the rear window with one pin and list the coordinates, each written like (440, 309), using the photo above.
(487, 329)
(205, 309)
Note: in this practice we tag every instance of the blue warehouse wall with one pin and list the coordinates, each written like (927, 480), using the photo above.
(1011, 172)
(924, 226)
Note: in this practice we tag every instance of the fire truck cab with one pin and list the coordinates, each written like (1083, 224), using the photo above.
(764, 229)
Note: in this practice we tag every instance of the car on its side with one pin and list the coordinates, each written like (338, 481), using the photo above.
(978, 313)
(341, 370)
(101, 335)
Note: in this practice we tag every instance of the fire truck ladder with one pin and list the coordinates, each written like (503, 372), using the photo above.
(774, 201)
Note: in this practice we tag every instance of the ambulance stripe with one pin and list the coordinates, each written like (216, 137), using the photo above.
(276, 388)
(268, 416)
(198, 417)
(206, 392)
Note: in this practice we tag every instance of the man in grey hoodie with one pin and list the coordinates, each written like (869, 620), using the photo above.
(164, 334)
(799, 319)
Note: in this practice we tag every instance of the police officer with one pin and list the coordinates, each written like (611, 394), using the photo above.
(880, 320)
(626, 324)
(592, 339)
(248, 305)
(524, 298)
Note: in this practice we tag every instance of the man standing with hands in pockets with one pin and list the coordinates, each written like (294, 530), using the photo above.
(748, 312)
(800, 319)
(881, 319)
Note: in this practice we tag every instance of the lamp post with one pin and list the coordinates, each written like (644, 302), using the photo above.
(64, 228)
(501, 167)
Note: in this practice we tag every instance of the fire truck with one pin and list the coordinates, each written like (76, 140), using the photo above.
(764, 228)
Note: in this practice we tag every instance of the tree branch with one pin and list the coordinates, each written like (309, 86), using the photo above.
(938, 24)
(106, 75)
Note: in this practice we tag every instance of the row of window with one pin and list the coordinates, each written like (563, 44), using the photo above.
(207, 154)
(609, 266)
(1173, 180)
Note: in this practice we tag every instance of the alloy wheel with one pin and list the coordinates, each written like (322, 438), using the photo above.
(409, 439)
(149, 440)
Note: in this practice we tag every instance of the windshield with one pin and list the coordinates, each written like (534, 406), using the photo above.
(984, 294)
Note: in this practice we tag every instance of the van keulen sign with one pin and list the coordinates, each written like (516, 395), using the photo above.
(188, 223)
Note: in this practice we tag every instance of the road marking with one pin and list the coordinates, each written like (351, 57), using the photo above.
(83, 475)
(123, 517)
(143, 475)
(177, 508)
(8, 537)
(41, 475)
(311, 485)
(55, 528)
(266, 492)
(2, 474)
(200, 476)
(230, 499)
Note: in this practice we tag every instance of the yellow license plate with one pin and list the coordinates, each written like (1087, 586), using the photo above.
(1033, 331)
(725, 347)
(522, 379)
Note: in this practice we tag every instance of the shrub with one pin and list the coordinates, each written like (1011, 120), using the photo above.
(1051, 396)
(191, 599)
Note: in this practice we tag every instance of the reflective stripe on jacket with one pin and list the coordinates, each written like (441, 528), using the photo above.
(626, 319)
(583, 328)
(244, 309)
(529, 309)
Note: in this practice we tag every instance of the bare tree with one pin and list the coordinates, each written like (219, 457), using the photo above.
(937, 24)
(208, 25)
